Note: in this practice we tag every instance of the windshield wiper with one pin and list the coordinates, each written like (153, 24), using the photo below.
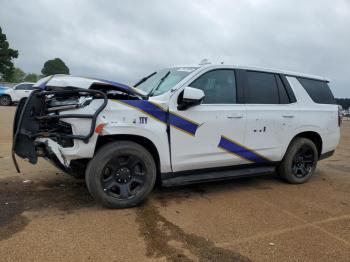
(144, 79)
(157, 86)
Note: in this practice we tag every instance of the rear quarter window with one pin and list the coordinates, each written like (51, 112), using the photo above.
(319, 91)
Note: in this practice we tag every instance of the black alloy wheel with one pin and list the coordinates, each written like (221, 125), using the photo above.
(5, 100)
(123, 177)
(303, 161)
(299, 162)
(121, 174)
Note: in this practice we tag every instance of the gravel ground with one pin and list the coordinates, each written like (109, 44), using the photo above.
(53, 218)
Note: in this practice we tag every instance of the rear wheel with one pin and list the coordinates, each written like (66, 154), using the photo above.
(5, 100)
(299, 162)
(122, 174)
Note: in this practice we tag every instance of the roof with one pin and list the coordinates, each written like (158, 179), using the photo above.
(263, 69)
(284, 72)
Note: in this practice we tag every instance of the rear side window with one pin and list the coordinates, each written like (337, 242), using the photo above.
(319, 91)
(24, 87)
(261, 88)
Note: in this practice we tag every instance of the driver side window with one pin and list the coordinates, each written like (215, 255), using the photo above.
(219, 86)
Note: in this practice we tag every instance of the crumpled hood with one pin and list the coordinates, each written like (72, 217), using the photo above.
(79, 82)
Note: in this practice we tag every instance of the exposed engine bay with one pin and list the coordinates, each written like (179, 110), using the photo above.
(47, 111)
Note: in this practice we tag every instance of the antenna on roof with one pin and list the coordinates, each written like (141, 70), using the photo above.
(204, 62)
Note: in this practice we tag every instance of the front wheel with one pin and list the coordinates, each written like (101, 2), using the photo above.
(5, 100)
(299, 162)
(122, 174)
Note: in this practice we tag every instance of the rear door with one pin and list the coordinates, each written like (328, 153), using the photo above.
(271, 114)
(206, 135)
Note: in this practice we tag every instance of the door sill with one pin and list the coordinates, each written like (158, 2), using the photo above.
(215, 175)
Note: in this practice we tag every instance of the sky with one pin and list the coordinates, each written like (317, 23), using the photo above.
(126, 40)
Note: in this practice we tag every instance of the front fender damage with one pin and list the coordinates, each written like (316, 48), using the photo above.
(42, 116)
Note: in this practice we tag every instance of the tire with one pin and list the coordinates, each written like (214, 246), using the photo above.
(5, 100)
(122, 174)
(299, 162)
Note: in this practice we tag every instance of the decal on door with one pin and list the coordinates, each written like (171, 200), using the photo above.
(241, 151)
(183, 124)
(158, 113)
(190, 127)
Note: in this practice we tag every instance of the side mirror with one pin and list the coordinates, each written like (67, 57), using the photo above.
(190, 97)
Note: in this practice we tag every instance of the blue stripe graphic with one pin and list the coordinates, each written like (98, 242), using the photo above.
(161, 115)
(147, 108)
(191, 127)
(240, 150)
(183, 124)
(43, 85)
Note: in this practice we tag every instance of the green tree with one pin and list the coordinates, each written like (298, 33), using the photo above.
(54, 66)
(31, 77)
(344, 102)
(17, 75)
(6, 56)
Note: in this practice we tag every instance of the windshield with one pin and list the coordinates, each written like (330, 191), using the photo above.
(163, 80)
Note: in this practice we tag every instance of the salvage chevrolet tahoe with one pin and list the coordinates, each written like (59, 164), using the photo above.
(179, 125)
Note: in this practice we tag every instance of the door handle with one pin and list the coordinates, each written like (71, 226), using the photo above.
(288, 115)
(235, 116)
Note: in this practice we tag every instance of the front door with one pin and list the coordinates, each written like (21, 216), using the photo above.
(210, 134)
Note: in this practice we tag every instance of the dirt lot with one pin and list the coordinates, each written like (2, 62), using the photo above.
(53, 218)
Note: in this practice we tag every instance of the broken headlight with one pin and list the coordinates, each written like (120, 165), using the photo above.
(61, 104)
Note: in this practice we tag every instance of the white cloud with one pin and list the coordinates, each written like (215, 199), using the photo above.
(124, 40)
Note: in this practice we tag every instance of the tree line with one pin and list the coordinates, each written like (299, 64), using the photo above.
(344, 102)
(10, 73)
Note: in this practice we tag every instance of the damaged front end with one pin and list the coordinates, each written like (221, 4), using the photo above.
(42, 124)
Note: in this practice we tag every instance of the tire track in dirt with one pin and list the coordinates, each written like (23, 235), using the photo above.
(164, 238)
(53, 197)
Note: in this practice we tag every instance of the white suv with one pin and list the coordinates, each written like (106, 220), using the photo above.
(180, 125)
(13, 95)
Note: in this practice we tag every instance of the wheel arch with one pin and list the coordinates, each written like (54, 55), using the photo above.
(143, 141)
(315, 137)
